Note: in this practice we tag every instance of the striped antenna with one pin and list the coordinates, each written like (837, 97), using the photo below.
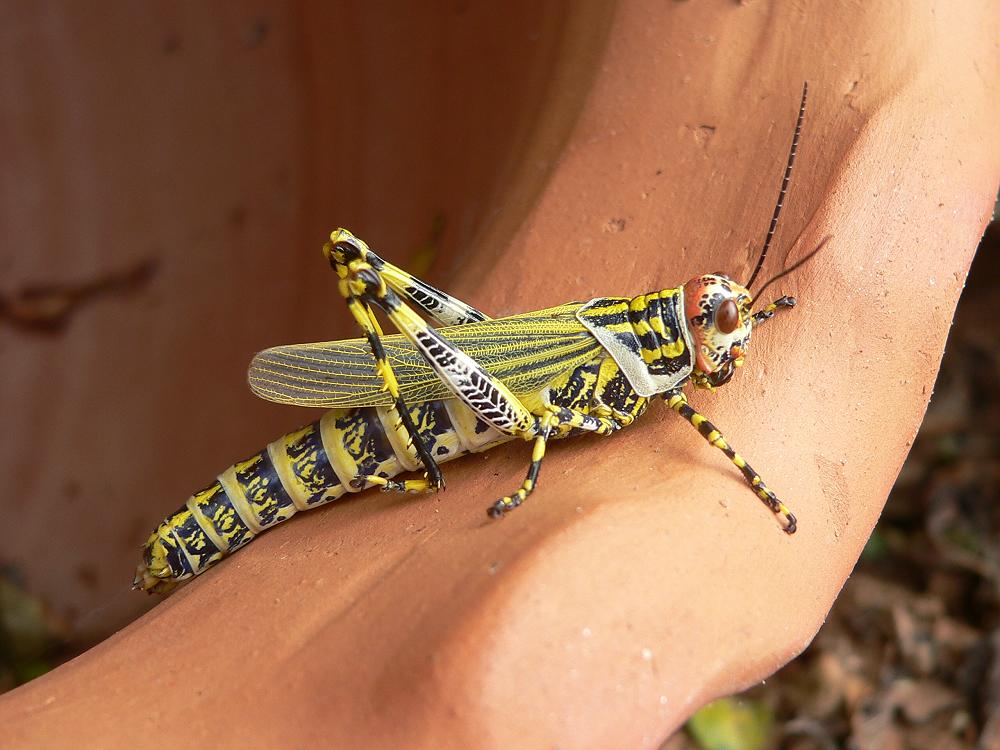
(784, 186)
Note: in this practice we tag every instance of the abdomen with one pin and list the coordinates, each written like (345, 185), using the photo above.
(299, 471)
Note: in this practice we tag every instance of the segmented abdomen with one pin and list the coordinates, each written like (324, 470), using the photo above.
(301, 470)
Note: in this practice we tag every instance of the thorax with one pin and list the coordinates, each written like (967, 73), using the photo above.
(647, 336)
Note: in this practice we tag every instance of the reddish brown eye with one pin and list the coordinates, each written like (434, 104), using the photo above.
(727, 316)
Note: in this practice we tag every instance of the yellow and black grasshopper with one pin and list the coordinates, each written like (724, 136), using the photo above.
(413, 400)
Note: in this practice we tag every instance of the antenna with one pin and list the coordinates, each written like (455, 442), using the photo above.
(784, 186)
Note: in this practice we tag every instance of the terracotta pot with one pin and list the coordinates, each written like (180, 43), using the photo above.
(572, 152)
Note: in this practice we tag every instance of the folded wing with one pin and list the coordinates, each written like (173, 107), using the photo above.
(524, 351)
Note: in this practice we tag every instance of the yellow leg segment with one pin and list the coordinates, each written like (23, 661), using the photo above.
(678, 402)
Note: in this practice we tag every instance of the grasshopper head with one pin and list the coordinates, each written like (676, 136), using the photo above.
(718, 312)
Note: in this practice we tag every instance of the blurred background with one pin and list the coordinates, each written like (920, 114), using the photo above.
(169, 175)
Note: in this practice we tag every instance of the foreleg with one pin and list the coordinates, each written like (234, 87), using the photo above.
(762, 316)
(678, 402)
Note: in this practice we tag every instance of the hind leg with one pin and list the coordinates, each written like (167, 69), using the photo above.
(345, 256)
(439, 306)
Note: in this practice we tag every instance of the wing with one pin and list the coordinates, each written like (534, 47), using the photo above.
(524, 351)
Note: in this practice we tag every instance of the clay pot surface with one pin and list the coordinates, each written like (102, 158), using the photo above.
(645, 147)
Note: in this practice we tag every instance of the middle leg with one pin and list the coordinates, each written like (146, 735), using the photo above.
(556, 421)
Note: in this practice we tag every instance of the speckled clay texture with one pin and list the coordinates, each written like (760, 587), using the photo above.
(643, 145)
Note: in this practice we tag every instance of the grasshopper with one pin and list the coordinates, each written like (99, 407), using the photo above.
(411, 401)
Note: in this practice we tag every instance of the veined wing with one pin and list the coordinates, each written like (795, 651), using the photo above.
(524, 351)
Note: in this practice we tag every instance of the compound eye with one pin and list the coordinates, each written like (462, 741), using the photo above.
(727, 316)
